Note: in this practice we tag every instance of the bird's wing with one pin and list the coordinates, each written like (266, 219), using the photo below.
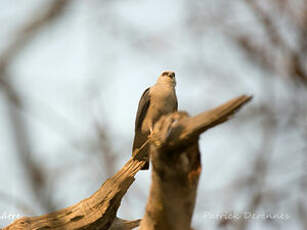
(176, 104)
(139, 137)
(142, 109)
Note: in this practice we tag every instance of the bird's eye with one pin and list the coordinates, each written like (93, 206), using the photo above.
(172, 75)
(164, 73)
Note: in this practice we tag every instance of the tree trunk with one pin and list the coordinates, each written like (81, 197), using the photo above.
(175, 172)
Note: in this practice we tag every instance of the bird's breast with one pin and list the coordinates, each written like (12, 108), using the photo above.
(163, 100)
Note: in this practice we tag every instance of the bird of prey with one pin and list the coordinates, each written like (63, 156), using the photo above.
(158, 100)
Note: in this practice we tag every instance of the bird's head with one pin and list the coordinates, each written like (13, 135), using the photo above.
(167, 77)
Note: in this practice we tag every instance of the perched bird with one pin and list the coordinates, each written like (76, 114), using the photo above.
(158, 100)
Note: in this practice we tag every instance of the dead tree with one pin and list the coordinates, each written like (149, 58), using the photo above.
(176, 168)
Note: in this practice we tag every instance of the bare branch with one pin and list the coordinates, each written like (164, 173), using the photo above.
(95, 212)
(176, 169)
(176, 165)
(28, 31)
(23, 37)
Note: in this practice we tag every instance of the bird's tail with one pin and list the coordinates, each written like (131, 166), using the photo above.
(138, 142)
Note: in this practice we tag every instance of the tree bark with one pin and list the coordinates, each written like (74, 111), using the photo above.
(175, 173)
(95, 212)
(176, 166)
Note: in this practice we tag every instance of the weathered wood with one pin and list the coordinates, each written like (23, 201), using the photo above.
(176, 170)
(175, 174)
(95, 212)
(176, 166)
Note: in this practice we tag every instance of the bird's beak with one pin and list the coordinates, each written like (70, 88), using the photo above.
(172, 76)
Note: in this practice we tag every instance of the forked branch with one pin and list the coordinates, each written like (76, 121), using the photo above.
(176, 170)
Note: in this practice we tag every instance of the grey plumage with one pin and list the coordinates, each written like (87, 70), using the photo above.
(158, 100)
